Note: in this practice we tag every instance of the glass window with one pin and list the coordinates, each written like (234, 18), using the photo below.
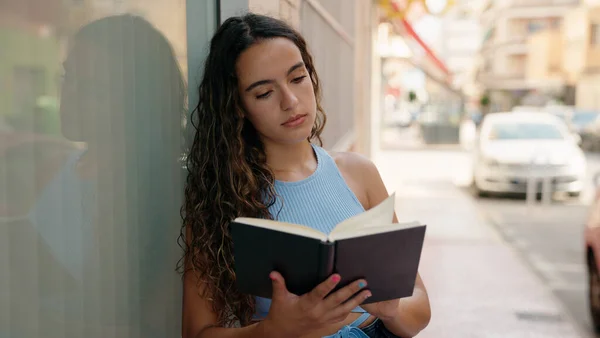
(93, 101)
(581, 119)
(525, 131)
(536, 26)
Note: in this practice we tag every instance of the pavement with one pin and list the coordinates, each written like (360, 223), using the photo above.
(479, 286)
(551, 240)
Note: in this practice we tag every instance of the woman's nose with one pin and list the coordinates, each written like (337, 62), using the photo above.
(289, 100)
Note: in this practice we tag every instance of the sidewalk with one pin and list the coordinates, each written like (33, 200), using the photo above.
(478, 285)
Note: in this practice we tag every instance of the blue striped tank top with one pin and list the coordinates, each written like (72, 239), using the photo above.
(320, 201)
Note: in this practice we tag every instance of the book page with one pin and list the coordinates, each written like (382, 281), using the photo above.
(365, 231)
(380, 215)
(290, 228)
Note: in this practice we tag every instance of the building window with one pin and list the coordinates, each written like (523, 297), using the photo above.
(535, 26)
(595, 34)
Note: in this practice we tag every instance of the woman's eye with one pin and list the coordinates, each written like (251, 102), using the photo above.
(265, 95)
(299, 79)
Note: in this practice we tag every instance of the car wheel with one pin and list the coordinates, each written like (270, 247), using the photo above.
(594, 292)
(575, 194)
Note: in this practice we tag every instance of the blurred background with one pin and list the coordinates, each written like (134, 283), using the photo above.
(489, 116)
(482, 116)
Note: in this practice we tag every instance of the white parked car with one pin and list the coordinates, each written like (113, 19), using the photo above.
(511, 147)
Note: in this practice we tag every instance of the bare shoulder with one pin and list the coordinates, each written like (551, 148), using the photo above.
(354, 163)
(361, 175)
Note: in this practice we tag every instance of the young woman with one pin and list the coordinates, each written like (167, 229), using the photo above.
(252, 155)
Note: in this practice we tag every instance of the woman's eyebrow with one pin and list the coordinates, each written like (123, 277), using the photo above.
(262, 82)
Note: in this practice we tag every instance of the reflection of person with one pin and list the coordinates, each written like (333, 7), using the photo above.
(109, 218)
(252, 156)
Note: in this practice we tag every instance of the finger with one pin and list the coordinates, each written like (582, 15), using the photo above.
(347, 307)
(343, 294)
(279, 288)
(322, 290)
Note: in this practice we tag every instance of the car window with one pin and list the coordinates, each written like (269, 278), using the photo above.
(525, 131)
(581, 119)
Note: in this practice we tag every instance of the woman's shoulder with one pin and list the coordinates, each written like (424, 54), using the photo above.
(362, 177)
(359, 172)
(352, 162)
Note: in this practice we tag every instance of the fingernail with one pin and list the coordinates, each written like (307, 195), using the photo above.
(368, 295)
(271, 276)
(336, 278)
(362, 285)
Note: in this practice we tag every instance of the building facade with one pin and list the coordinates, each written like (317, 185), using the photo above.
(461, 37)
(507, 25)
(581, 61)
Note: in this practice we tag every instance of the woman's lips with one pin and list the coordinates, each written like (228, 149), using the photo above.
(295, 121)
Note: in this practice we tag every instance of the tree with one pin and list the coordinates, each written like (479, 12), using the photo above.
(412, 96)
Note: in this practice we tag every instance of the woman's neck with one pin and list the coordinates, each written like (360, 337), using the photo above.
(291, 162)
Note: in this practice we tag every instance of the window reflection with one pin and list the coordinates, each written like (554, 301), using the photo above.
(90, 183)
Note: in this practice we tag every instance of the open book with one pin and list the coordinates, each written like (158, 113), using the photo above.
(368, 245)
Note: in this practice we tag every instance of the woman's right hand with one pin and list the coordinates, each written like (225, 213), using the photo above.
(294, 316)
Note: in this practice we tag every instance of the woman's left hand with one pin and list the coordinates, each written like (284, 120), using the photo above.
(384, 310)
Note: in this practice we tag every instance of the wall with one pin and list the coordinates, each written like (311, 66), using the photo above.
(544, 56)
(593, 52)
(461, 42)
(288, 10)
(587, 94)
(575, 42)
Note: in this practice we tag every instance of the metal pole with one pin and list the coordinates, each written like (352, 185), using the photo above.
(547, 190)
(532, 183)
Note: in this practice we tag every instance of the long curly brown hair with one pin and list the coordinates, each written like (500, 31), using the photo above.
(228, 174)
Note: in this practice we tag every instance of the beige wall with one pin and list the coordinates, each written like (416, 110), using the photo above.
(593, 51)
(339, 34)
(576, 41)
(581, 60)
(288, 10)
(588, 92)
(544, 55)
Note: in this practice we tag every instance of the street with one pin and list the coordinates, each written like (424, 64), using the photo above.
(550, 240)
(432, 184)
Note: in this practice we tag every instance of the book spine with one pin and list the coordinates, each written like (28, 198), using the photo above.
(326, 261)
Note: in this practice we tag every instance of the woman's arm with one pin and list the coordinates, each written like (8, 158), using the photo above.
(413, 313)
(200, 321)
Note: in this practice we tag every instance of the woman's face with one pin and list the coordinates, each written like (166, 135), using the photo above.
(276, 91)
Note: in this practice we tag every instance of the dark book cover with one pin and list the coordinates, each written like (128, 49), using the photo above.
(388, 261)
(302, 261)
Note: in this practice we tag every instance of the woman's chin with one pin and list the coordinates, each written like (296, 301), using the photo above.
(296, 138)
